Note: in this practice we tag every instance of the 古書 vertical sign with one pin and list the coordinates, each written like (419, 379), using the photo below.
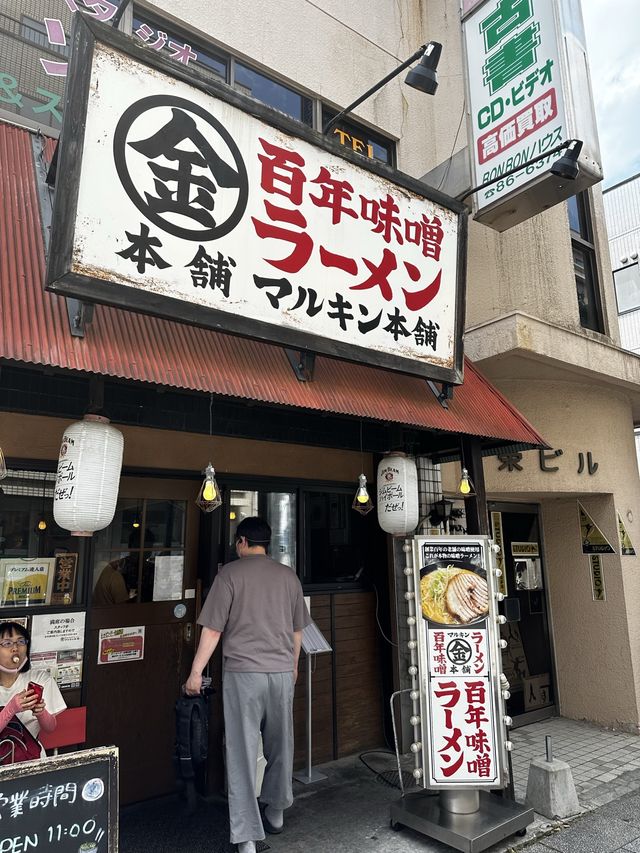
(528, 91)
(215, 210)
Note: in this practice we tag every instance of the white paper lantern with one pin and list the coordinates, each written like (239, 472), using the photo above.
(88, 477)
(398, 507)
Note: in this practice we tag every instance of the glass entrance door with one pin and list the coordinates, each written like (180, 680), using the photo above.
(527, 661)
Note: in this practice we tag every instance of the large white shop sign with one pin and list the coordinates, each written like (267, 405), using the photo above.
(528, 91)
(185, 199)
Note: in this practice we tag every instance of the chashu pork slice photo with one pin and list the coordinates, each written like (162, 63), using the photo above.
(467, 597)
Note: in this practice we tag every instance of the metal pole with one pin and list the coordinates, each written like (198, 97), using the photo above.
(460, 802)
(309, 715)
(309, 775)
(334, 121)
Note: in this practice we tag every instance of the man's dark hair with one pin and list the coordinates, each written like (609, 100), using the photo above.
(255, 530)
(8, 628)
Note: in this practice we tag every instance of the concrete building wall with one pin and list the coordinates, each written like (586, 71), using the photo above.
(601, 638)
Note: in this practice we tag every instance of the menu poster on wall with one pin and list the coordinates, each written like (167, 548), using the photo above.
(19, 620)
(25, 581)
(120, 645)
(57, 642)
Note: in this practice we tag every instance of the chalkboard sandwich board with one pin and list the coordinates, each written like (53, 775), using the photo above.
(63, 804)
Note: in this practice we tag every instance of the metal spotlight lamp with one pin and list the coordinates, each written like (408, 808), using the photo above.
(567, 166)
(424, 77)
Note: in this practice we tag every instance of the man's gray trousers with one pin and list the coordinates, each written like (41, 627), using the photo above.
(257, 702)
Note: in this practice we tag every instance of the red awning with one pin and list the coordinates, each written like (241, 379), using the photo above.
(35, 330)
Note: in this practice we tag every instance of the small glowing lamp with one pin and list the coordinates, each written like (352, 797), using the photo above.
(466, 488)
(42, 525)
(209, 497)
(362, 502)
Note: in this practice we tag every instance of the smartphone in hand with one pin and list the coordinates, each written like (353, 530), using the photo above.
(38, 689)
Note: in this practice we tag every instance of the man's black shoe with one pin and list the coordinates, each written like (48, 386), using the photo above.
(269, 827)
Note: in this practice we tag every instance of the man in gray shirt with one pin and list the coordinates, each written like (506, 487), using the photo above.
(258, 605)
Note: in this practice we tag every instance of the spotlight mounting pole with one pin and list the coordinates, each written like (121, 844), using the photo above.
(415, 56)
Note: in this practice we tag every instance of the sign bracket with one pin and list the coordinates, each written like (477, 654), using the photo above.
(303, 363)
(444, 394)
(80, 316)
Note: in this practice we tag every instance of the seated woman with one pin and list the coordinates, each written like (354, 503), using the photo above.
(34, 707)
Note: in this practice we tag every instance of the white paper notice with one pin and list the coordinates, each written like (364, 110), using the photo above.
(167, 580)
(57, 632)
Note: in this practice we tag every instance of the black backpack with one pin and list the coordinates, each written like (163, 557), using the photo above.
(192, 739)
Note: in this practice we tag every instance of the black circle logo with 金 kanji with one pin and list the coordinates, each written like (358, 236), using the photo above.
(459, 652)
(181, 168)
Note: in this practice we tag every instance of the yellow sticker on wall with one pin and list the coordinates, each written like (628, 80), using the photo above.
(626, 545)
(592, 538)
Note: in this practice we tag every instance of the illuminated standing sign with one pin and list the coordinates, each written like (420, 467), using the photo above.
(464, 734)
(529, 91)
(187, 200)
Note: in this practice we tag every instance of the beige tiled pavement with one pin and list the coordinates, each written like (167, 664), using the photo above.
(605, 764)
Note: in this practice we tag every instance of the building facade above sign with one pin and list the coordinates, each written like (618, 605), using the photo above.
(205, 207)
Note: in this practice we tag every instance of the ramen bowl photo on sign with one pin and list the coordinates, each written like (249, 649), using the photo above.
(453, 592)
